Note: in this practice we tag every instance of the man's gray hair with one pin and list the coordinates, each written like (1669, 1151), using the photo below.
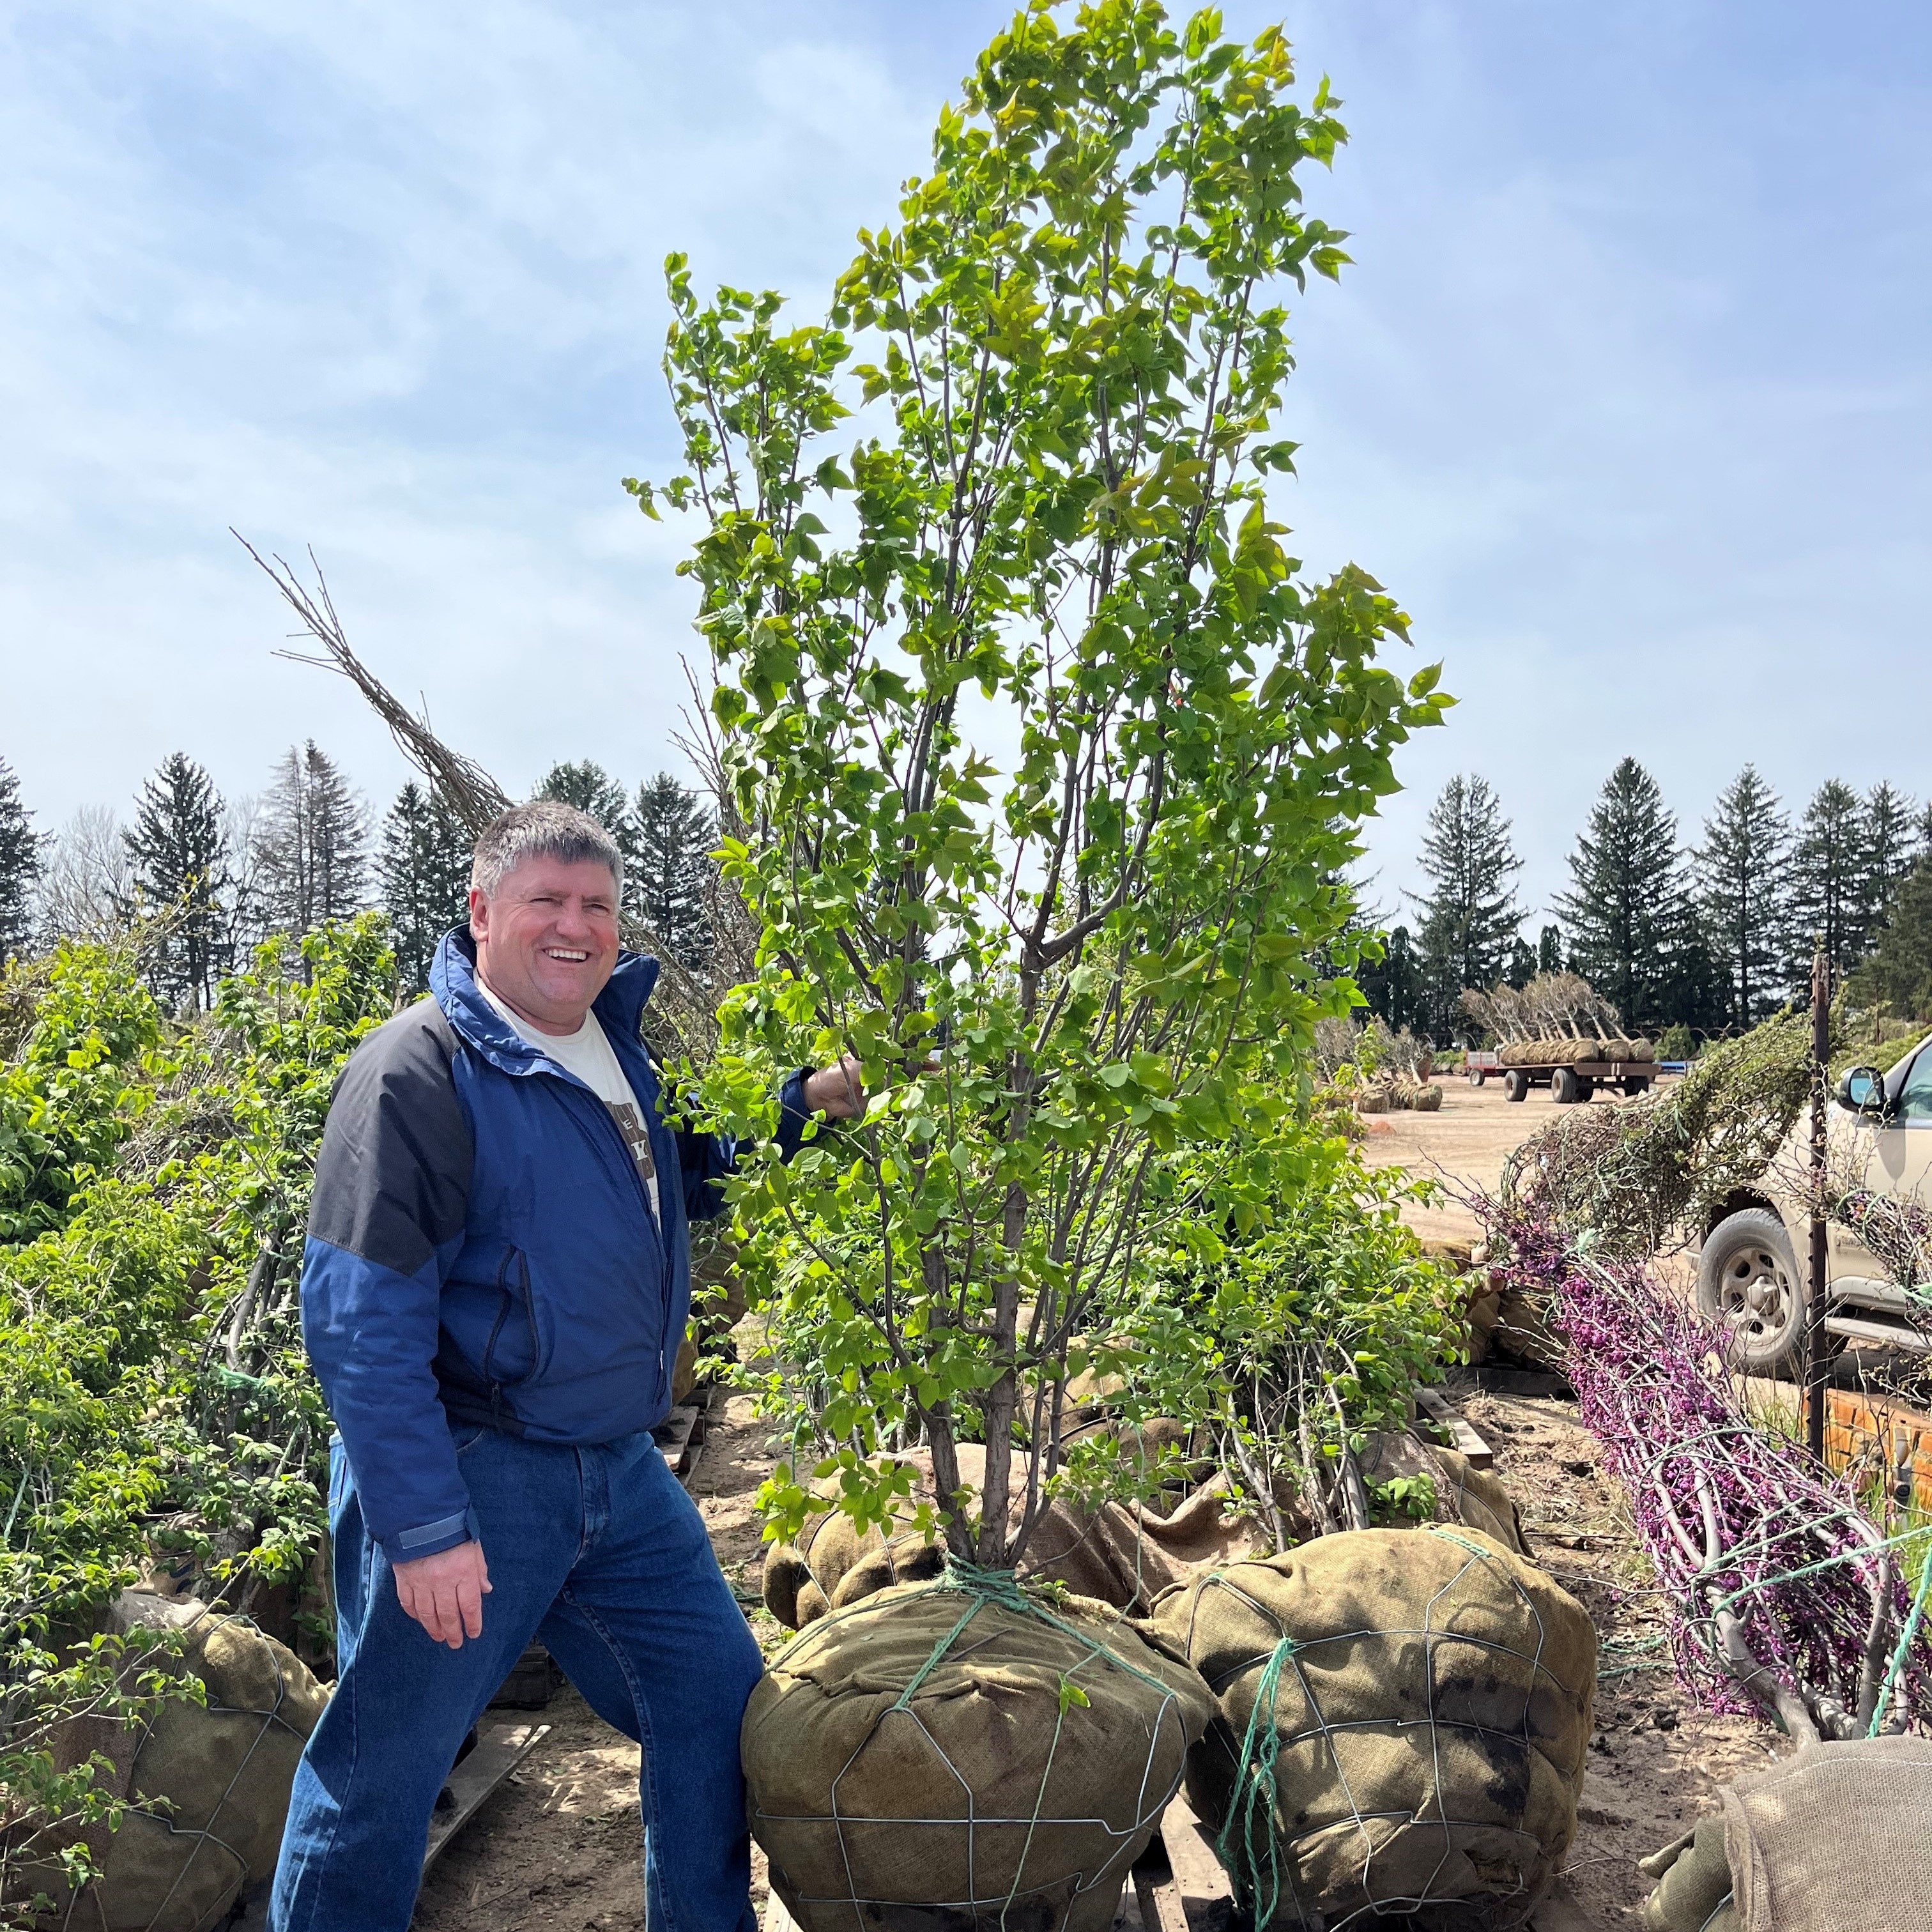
(546, 828)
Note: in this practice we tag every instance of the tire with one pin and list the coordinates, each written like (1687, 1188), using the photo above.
(1476, 1076)
(1565, 1089)
(1749, 1285)
(1516, 1084)
(1633, 1085)
(1585, 1086)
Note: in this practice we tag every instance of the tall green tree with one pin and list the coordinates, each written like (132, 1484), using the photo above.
(19, 866)
(1065, 965)
(179, 852)
(1827, 868)
(585, 783)
(422, 874)
(1468, 918)
(1628, 913)
(310, 861)
(1549, 949)
(1392, 984)
(1890, 851)
(1898, 974)
(676, 877)
(1743, 895)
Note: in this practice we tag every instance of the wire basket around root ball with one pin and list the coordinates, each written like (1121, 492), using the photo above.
(1403, 1717)
(964, 1753)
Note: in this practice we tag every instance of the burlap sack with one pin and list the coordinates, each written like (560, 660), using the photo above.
(1125, 1557)
(936, 1758)
(209, 1783)
(1403, 1720)
(1473, 1497)
(1840, 1835)
(1694, 1883)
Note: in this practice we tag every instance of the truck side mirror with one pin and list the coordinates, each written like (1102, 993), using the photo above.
(1862, 1090)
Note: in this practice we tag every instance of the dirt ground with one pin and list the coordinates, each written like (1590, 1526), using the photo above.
(560, 1844)
(1465, 1144)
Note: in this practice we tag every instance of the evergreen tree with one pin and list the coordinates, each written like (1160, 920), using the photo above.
(1522, 967)
(588, 786)
(1827, 883)
(423, 871)
(309, 862)
(676, 875)
(1741, 892)
(1628, 912)
(1470, 915)
(19, 866)
(1899, 972)
(1549, 950)
(179, 860)
(1888, 856)
(1392, 985)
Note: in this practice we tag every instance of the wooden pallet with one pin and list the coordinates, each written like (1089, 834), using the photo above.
(499, 1751)
(679, 1438)
(1477, 1453)
(1178, 1885)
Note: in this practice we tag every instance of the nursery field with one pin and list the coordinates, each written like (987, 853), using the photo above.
(1463, 1146)
(560, 1845)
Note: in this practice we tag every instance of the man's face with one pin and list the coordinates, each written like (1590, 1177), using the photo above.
(547, 940)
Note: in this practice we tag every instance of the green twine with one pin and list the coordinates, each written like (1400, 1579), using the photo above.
(1254, 1791)
(1003, 1588)
(1905, 1637)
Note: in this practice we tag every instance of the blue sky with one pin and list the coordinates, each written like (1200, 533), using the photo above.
(1628, 397)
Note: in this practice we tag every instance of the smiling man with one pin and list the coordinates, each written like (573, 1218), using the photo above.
(495, 1285)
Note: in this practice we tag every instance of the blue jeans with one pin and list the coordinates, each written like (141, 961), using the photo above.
(600, 1553)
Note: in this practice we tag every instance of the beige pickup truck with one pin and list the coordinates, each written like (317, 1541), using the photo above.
(1750, 1277)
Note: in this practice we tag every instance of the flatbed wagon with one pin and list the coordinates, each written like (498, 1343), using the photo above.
(1570, 1082)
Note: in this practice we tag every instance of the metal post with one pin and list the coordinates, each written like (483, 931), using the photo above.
(1817, 1363)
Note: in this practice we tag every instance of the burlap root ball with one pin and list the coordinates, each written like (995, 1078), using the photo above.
(1124, 1555)
(1403, 1717)
(207, 1784)
(936, 1759)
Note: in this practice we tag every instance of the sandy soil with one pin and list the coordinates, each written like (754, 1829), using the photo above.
(1466, 1144)
(560, 1846)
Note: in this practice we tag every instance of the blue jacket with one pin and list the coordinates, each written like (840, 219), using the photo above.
(481, 1250)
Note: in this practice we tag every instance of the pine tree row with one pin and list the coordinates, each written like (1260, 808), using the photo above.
(1713, 937)
(215, 879)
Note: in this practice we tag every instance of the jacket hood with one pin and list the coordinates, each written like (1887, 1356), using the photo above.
(452, 979)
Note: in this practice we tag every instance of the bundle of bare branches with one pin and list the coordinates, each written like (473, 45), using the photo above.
(682, 1022)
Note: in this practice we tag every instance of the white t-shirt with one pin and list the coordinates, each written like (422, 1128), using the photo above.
(588, 1054)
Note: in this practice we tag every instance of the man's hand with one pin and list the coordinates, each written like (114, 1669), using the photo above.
(445, 1592)
(837, 1092)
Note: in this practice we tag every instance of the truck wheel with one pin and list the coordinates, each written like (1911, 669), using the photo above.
(1516, 1084)
(1475, 1076)
(1633, 1085)
(1564, 1086)
(1748, 1283)
(1585, 1086)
